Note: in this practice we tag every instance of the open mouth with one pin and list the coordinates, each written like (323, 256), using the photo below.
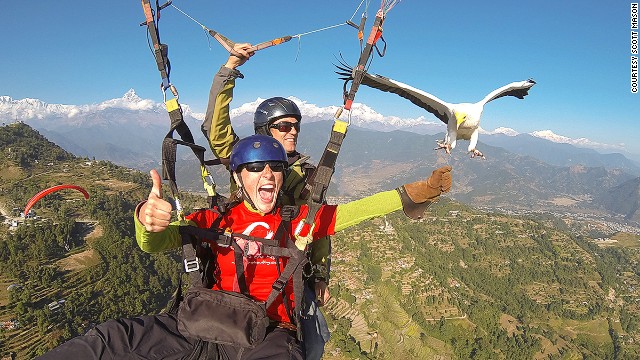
(267, 193)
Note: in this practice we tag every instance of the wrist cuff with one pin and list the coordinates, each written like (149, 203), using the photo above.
(410, 208)
(137, 210)
(232, 73)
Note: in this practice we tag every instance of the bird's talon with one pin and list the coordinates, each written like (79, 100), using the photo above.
(476, 153)
(445, 146)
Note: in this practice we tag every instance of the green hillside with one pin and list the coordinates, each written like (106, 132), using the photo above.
(83, 252)
(460, 284)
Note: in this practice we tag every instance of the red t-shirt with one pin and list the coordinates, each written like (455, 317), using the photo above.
(260, 270)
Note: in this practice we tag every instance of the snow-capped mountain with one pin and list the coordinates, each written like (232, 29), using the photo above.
(29, 110)
(501, 130)
(146, 112)
(129, 130)
(361, 115)
(580, 142)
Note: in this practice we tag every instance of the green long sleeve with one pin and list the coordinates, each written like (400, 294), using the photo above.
(151, 242)
(217, 122)
(355, 212)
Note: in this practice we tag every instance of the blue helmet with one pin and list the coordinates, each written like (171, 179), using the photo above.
(256, 148)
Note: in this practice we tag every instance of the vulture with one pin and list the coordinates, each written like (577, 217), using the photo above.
(463, 119)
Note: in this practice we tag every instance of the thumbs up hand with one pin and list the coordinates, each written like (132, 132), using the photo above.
(155, 214)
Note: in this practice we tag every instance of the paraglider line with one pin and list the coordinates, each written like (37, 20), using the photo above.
(322, 29)
(189, 16)
(280, 40)
(358, 8)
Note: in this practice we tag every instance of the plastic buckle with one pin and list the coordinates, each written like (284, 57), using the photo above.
(298, 229)
(191, 265)
(278, 285)
(246, 249)
(302, 241)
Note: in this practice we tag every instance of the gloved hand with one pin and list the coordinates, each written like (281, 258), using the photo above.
(437, 183)
(417, 196)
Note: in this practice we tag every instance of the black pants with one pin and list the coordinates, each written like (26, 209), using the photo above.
(157, 337)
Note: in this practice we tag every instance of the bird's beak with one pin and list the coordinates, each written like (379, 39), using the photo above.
(460, 118)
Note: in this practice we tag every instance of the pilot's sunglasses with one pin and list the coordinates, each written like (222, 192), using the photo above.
(285, 126)
(258, 166)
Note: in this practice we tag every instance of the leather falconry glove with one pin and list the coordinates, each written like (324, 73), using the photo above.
(417, 196)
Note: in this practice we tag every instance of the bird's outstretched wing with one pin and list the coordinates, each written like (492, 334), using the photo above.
(423, 99)
(519, 89)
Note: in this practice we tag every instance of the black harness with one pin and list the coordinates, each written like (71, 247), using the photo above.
(199, 261)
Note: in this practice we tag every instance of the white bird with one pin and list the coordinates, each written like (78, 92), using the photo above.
(463, 120)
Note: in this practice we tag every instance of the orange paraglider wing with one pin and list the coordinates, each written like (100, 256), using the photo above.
(45, 192)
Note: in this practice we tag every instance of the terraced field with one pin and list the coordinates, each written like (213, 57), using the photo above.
(26, 338)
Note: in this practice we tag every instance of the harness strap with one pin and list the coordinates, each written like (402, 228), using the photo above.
(294, 268)
(160, 50)
(173, 108)
(322, 176)
(191, 240)
(239, 260)
(169, 150)
(358, 73)
(318, 183)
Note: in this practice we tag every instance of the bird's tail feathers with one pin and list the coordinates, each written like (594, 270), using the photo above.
(346, 71)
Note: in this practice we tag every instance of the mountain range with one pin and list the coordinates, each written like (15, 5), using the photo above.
(521, 172)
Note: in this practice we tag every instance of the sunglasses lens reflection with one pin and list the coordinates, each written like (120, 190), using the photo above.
(275, 166)
(286, 126)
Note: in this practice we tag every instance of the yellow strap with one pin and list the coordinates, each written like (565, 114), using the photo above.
(340, 126)
(172, 105)
(210, 188)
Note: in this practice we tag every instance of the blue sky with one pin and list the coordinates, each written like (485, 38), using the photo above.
(83, 52)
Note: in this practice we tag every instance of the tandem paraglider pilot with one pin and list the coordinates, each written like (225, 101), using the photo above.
(249, 307)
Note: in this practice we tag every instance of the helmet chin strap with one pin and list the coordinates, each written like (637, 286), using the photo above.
(245, 194)
(263, 130)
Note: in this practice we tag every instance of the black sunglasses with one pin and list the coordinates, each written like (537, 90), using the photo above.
(258, 166)
(285, 126)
